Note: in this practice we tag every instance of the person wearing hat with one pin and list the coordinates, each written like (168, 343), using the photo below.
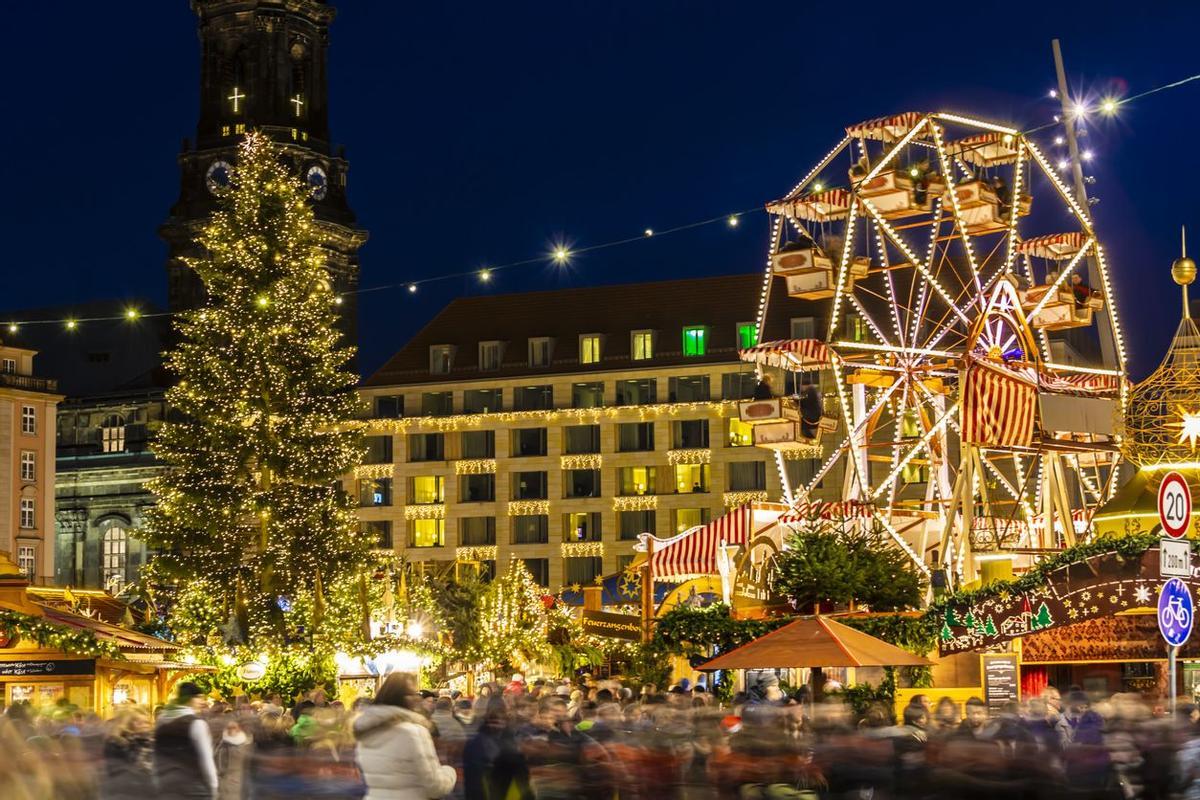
(183, 750)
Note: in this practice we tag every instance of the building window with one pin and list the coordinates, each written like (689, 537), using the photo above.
(747, 476)
(28, 419)
(695, 340)
(581, 527)
(634, 523)
(589, 348)
(914, 473)
(530, 529)
(374, 492)
(478, 444)
(689, 434)
(539, 568)
(624, 560)
(539, 351)
(635, 481)
(689, 518)
(482, 401)
(738, 385)
(27, 561)
(688, 389)
(379, 532)
(489, 356)
(529, 486)
(691, 478)
(477, 531)
(533, 398)
(379, 450)
(641, 345)
(581, 483)
(582, 570)
(112, 434)
(741, 434)
(28, 465)
(804, 328)
(637, 392)
(528, 442)
(9, 365)
(856, 328)
(389, 406)
(581, 439)
(28, 517)
(427, 490)
(441, 359)
(437, 404)
(114, 555)
(801, 473)
(426, 447)
(477, 488)
(747, 334)
(587, 395)
(427, 533)
(633, 437)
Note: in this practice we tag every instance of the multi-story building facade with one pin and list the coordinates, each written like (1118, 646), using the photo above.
(28, 405)
(557, 426)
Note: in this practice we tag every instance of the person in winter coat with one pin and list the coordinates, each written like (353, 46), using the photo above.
(233, 761)
(183, 751)
(395, 749)
(128, 755)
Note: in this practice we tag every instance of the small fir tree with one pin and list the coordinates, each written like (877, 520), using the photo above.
(513, 617)
(989, 627)
(251, 521)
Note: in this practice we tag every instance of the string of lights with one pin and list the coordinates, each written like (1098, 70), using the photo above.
(561, 252)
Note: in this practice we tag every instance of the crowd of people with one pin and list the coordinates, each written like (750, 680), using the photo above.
(548, 740)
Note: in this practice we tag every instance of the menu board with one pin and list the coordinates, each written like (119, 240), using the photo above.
(22, 669)
(1001, 680)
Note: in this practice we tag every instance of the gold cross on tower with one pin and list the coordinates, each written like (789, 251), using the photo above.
(298, 102)
(236, 97)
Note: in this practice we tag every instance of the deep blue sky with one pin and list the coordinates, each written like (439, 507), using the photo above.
(477, 133)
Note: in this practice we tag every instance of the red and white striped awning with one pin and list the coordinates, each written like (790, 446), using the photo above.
(985, 149)
(1087, 384)
(845, 509)
(999, 403)
(1057, 246)
(823, 206)
(790, 354)
(694, 552)
(886, 129)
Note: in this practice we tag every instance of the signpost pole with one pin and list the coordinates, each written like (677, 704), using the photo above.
(1172, 666)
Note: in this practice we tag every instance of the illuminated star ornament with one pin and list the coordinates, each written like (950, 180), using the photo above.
(1189, 427)
(1142, 595)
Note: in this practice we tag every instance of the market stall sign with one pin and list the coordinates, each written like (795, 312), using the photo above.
(25, 669)
(1098, 586)
(1001, 680)
(612, 626)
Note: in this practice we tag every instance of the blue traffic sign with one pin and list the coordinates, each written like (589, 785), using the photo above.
(1175, 612)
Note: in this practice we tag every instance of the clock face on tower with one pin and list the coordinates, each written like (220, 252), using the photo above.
(217, 176)
(318, 182)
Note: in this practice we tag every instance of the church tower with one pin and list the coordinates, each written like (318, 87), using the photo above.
(264, 66)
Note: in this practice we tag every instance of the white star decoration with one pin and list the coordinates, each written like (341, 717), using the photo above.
(1142, 595)
(1189, 427)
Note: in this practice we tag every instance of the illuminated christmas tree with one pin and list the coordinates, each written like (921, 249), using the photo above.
(514, 617)
(252, 523)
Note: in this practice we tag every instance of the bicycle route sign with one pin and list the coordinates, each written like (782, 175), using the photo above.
(1174, 505)
(1175, 612)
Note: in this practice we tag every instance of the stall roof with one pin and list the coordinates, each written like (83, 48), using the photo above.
(123, 638)
(815, 642)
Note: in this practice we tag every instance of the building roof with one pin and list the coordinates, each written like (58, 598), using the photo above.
(666, 307)
(815, 642)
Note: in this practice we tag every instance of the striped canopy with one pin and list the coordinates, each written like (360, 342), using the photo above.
(816, 207)
(694, 552)
(790, 354)
(999, 402)
(845, 509)
(886, 129)
(985, 149)
(1085, 384)
(1057, 246)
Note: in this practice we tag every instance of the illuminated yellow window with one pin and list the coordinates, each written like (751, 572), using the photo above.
(427, 533)
(636, 480)
(910, 427)
(741, 434)
(691, 478)
(642, 345)
(295, 134)
(224, 130)
(428, 489)
(304, 136)
(589, 349)
(689, 518)
(239, 128)
(915, 473)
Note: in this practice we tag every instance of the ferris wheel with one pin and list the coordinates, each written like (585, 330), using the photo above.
(973, 347)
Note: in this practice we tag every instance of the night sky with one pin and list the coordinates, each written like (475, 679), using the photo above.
(479, 133)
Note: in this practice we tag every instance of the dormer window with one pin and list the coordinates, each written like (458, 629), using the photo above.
(441, 359)
(540, 350)
(489, 356)
(589, 348)
(641, 345)
(695, 340)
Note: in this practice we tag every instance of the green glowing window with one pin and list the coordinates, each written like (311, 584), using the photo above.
(695, 340)
(747, 334)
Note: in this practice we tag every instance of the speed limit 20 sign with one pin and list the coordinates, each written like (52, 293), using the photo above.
(1174, 505)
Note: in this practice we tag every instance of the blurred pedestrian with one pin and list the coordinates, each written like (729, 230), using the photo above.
(395, 749)
(183, 748)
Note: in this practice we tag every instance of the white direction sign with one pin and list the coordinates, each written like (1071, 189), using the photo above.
(1175, 558)
(1174, 505)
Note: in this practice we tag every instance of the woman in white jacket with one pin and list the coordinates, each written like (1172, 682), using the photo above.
(395, 749)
